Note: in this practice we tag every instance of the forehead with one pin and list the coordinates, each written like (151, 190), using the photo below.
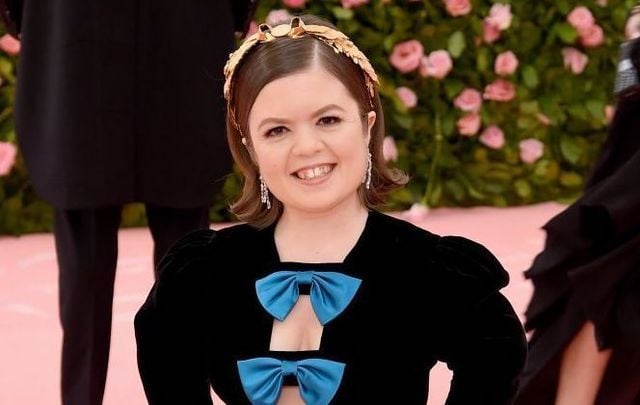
(301, 92)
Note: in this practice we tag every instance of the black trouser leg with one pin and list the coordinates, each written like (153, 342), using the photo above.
(87, 250)
(168, 225)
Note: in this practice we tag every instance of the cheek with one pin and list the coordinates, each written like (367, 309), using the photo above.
(267, 158)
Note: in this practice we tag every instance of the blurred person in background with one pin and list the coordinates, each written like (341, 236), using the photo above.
(585, 310)
(118, 102)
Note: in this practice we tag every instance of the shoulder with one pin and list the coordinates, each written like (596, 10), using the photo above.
(395, 232)
(470, 265)
(453, 262)
(192, 256)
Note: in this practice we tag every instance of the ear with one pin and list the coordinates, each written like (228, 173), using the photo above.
(371, 120)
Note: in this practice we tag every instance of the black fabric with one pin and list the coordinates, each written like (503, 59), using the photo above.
(243, 12)
(123, 101)
(589, 270)
(11, 12)
(168, 225)
(87, 251)
(423, 298)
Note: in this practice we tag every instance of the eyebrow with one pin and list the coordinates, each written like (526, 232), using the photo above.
(274, 120)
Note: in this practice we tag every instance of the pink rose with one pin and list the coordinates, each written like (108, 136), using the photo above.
(490, 33)
(574, 60)
(9, 44)
(592, 37)
(469, 100)
(407, 96)
(8, 153)
(492, 137)
(531, 150)
(438, 64)
(581, 19)
(543, 119)
(406, 56)
(500, 16)
(294, 3)
(506, 63)
(353, 3)
(609, 112)
(276, 17)
(457, 7)
(500, 90)
(389, 149)
(417, 213)
(469, 124)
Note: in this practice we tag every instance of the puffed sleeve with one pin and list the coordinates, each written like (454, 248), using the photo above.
(172, 342)
(483, 341)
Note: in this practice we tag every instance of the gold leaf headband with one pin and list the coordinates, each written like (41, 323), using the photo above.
(296, 29)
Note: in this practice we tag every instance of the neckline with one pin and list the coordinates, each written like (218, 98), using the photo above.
(320, 265)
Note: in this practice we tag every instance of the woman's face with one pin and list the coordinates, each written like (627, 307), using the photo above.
(309, 141)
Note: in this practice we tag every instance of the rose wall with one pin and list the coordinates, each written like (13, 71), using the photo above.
(487, 102)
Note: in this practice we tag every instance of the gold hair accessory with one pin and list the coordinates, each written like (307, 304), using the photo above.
(296, 29)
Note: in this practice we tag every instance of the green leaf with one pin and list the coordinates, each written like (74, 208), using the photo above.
(456, 189)
(483, 60)
(523, 188)
(529, 107)
(453, 87)
(563, 6)
(596, 108)
(567, 33)
(570, 149)
(342, 13)
(6, 70)
(570, 179)
(404, 121)
(457, 44)
(530, 77)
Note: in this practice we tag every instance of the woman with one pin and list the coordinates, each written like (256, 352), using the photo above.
(585, 310)
(320, 298)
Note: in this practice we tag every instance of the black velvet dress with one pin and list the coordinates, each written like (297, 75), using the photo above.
(590, 270)
(422, 299)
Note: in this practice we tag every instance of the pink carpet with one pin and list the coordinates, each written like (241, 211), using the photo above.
(30, 336)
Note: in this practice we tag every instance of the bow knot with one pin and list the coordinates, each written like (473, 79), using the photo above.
(304, 277)
(330, 293)
(289, 367)
(318, 379)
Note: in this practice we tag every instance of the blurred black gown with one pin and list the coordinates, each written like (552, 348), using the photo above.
(590, 270)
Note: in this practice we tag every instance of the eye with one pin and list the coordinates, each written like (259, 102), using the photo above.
(331, 120)
(275, 131)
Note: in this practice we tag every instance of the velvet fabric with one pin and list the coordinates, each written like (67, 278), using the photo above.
(423, 299)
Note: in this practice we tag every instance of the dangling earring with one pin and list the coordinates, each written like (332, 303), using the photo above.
(264, 193)
(367, 178)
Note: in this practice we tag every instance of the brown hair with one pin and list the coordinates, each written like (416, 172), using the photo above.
(284, 56)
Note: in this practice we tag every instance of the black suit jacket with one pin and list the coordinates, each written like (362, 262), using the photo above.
(122, 101)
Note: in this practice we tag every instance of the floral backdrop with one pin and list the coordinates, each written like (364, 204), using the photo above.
(487, 102)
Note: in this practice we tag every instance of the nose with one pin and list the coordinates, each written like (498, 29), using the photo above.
(307, 142)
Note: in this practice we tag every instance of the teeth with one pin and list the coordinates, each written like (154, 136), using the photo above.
(312, 173)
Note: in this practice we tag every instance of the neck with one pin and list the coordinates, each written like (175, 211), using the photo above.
(320, 237)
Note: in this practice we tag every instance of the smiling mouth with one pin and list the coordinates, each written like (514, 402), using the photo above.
(314, 172)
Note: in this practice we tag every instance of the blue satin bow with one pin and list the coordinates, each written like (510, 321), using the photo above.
(318, 379)
(331, 292)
